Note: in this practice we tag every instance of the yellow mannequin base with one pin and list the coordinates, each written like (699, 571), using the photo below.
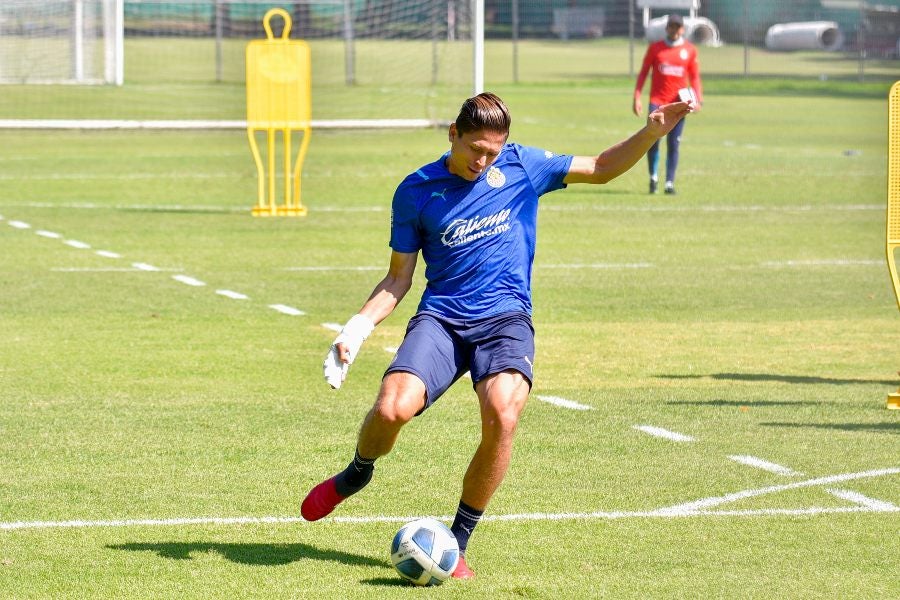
(280, 211)
(893, 401)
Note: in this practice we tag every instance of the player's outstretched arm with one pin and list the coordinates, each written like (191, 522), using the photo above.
(617, 159)
(381, 303)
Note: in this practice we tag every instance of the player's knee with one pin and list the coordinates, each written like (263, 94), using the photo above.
(397, 403)
(390, 414)
(500, 418)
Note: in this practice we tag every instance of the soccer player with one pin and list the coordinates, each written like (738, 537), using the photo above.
(673, 61)
(472, 214)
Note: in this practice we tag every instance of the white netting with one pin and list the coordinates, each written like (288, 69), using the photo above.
(184, 59)
(56, 41)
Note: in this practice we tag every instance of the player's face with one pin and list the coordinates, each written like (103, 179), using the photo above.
(674, 32)
(471, 153)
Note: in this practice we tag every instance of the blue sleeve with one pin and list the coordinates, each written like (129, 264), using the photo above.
(405, 235)
(545, 169)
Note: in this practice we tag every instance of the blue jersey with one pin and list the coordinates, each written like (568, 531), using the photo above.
(477, 237)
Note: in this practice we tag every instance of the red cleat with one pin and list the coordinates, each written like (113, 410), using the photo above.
(320, 501)
(462, 570)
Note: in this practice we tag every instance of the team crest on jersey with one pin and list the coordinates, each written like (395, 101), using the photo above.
(683, 54)
(495, 177)
(548, 155)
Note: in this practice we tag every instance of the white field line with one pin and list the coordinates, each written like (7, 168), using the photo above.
(664, 433)
(287, 310)
(144, 266)
(557, 401)
(118, 176)
(187, 124)
(329, 269)
(862, 500)
(102, 270)
(136, 207)
(834, 262)
(752, 461)
(233, 295)
(140, 266)
(551, 208)
(705, 503)
(638, 265)
(391, 349)
(333, 326)
(715, 208)
(575, 516)
(350, 209)
(671, 512)
(187, 280)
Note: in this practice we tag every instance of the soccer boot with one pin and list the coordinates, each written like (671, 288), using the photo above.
(670, 188)
(321, 500)
(653, 183)
(462, 570)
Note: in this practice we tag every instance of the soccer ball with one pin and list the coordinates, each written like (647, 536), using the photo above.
(425, 552)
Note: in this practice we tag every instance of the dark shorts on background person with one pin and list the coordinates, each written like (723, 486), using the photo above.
(439, 351)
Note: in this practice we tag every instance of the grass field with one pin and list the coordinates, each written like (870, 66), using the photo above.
(752, 312)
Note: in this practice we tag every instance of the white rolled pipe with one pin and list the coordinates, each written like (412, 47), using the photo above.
(809, 35)
(697, 30)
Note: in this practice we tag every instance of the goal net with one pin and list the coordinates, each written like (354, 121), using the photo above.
(60, 41)
(400, 60)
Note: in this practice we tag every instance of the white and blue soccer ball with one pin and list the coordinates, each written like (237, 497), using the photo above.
(425, 552)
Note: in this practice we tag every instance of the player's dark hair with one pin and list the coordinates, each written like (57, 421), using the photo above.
(484, 111)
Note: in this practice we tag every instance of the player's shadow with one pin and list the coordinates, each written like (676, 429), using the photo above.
(882, 427)
(800, 379)
(252, 554)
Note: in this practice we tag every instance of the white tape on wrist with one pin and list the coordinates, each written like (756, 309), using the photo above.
(353, 334)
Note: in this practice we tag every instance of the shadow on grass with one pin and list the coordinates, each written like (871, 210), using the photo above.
(811, 85)
(761, 84)
(808, 379)
(387, 582)
(883, 427)
(253, 554)
(740, 404)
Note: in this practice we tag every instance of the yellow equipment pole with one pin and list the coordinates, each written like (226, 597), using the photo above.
(893, 203)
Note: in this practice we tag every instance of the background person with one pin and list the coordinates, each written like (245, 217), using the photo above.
(673, 62)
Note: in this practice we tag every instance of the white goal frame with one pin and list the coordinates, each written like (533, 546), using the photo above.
(113, 25)
(114, 63)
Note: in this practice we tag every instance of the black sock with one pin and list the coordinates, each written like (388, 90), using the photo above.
(464, 524)
(355, 477)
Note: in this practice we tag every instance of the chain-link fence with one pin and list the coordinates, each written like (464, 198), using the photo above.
(410, 58)
(799, 38)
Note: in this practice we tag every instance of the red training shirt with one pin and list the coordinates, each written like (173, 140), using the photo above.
(674, 67)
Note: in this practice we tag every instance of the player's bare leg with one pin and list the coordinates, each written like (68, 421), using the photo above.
(502, 398)
(401, 396)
